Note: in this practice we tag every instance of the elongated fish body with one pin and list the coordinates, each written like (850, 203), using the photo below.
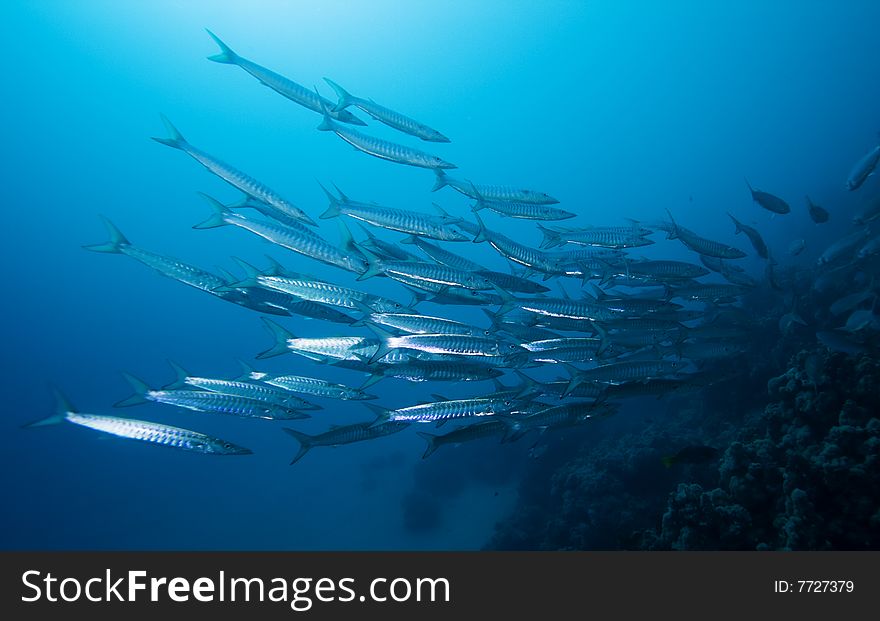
(347, 434)
(480, 191)
(476, 431)
(385, 115)
(424, 324)
(401, 220)
(434, 274)
(614, 238)
(701, 245)
(524, 211)
(509, 249)
(709, 291)
(863, 169)
(568, 349)
(452, 409)
(383, 149)
(271, 212)
(143, 431)
(212, 402)
(297, 93)
(167, 266)
(768, 201)
(317, 387)
(620, 372)
(514, 284)
(311, 245)
(334, 347)
(665, 270)
(307, 288)
(565, 415)
(753, 235)
(443, 256)
(438, 371)
(562, 308)
(261, 392)
(454, 344)
(233, 176)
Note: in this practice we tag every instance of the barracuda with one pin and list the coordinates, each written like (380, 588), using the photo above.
(385, 115)
(620, 372)
(283, 86)
(239, 387)
(308, 288)
(347, 434)
(319, 348)
(213, 402)
(233, 176)
(382, 149)
(424, 324)
(441, 412)
(311, 245)
(523, 211)
(401, 220)
(141, 430)
(492, 192)
(447, 344)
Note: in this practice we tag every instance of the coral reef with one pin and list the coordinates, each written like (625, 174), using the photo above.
(798, 473)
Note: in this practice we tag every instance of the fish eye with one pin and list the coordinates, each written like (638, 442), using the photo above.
(487, 332)
(227, 445)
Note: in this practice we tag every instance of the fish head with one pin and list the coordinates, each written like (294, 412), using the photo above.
(437, 162)
(222, 447)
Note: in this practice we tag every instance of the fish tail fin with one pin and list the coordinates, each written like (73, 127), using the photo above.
(226, 54)
(218, 218)
(345, 98)
(736, 224)
(333, 210)
(374, 378)
(374, 263)
(327, 124)
(508, 301)
(673, 234)
(551, 238)
(667, 461)
(603, 338)
(180, 375)
(176, 139)
(306, 442)
(410, 239)
(114, 244)
(251, 274)
(441, 180)
(346, 240)
(432, 445)
(62, 407)
(751, 189)
(383, 415)
(383, 349)
(482, 234)
(248, 372)
(575, 381)
(140, 392)
(281, 335)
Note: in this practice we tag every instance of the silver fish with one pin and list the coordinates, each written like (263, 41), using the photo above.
(204, 401)
(309, 245)
(702, 245)
(319, 348)
(143, 431)
(283, 86)
(523, 211)
(233, 176)
(443, 411)
(383, 149)
(308, 288)
(385, 115)
(477, 431)
(347, 434)
(492, 192)
(402, 220)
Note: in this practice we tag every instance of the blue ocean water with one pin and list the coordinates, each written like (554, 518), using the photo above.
(620, 110)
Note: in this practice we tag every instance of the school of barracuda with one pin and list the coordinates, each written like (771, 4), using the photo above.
(619, 326)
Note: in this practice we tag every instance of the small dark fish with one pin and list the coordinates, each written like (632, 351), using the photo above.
(819, 215)
(753, 235)
(768, 201)
(698, 454)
